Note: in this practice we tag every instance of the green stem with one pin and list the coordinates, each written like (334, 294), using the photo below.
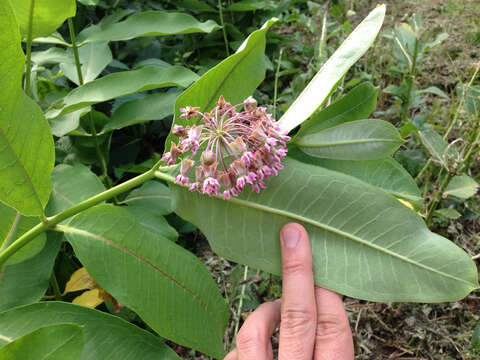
(93, 130)
(240, 302)
(28, 72)
(438, 194)
(470, 147)
(55, 287)
(411, 77)
(275, 88)
(220, 8)
(84, 205)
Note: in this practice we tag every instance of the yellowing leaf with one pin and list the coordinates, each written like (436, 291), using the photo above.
(80, 280)
(91, 298)
(406, 203)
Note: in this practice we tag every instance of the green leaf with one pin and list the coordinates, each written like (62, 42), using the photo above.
(89, 2)
(385, 173)
(64, 124)
(168, 287)
(327, 78)
(153, 195)
(195, 5)
(150, 23)
(123, 83)
(12, 226)
(356, 140)
(93, 57)
(53, 55)
(107, 337)
(151, 107)
(47, 15)
(471, 96)
(357, 104)
(53, 342)
(251, 5)
(71, 185)
(26, 282)
(433, 90)
(26, 144)
(448, 213)
(235, 78)
(440, 150)
(365, 243)
(152, 221)
(462, 186)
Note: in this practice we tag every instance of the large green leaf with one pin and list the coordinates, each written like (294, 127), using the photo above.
(384, 173)
(12, 226)
(151, 107)
(440, 150)
(52, 342)
(47, 15)
(150, 219)
(93, 57)
(71, 185)
(150, 23)
(235, 78)
(26, 282)
(325, 81)
(64, 124)
(462, 186)
(357, 104)
(107, 337)
(26, 144)
(153, 195)
(364, 242)
(356, 140)
(123, 83)
(168, 287)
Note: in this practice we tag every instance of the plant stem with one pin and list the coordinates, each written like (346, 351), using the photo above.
(55, 287)
(28, 72)
(470, 147)
(93, 130)
(84, 205)
(220, 8)
(411, 77)
(275, 88)
(240, 302)
(438, 194)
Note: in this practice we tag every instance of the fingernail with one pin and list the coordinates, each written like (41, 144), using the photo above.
(289, 236)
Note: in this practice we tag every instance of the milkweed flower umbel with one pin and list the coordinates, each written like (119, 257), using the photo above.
(224, 150)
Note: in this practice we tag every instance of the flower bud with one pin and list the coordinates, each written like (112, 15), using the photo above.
(250, 103)
(238, 145)
(178, 130)
(208, 157)
(185, 166)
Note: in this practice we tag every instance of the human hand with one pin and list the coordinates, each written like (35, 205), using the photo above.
(313, 322)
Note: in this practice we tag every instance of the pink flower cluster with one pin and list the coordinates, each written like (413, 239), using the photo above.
(237, 148)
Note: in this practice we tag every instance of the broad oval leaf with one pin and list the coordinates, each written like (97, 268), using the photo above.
(440, 150)
(321, 86)
(47, 15)
(462, 186)
(123, 83)
(51, 342)
(365, 243)
(26, 144)
(26, 282)
(107, 337)
(150, 23)
(168, 287)
(151, 220)
(151, 107)
(153, 195)
(71, 185)
(235, 78)
(356, 140)
(12, 226)
(357, 104)
(93, 59)
(386, 174)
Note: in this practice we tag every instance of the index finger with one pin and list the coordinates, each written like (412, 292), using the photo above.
(298, 314)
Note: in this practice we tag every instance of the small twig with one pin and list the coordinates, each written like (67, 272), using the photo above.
(225, 39)
(55, 287)
(476, 257)
(240, 303)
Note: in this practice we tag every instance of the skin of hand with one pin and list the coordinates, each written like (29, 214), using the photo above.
(313, 322)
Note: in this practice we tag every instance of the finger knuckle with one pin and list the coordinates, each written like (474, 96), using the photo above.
(294, 267)
(297, 322)
(249, 339)
(330, 326)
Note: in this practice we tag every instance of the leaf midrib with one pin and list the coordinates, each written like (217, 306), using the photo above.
(350, 142)
(341, 233)
(73, 230)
